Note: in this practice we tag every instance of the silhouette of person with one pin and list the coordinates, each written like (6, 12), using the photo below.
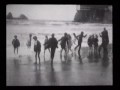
(16, 43)
(105, 42)
(95, 42)
(46, 45)
(80, 37)
(64, 44)
(90, 43)
(70, 43)
(53, 45)
(37, 49)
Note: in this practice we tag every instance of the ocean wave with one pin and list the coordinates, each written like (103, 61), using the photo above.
(52, 23)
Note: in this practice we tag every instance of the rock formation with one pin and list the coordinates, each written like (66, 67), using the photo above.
(94, 13)
(21, 17)
(9, 16)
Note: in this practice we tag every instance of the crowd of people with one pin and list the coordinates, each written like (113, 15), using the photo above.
(66, 43)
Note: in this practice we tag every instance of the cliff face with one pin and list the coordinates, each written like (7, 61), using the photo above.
(94, 13)
(21, 17)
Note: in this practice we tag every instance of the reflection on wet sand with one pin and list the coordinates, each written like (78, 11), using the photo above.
(69, 71)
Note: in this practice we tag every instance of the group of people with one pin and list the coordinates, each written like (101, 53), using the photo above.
(66, 43)
(93, 45)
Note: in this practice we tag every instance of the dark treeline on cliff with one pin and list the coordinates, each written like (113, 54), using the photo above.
(21, 17)
(94, 14)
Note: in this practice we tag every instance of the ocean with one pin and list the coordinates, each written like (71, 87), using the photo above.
(40, 28)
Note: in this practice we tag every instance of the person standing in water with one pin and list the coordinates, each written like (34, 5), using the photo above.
(53, 45)
(70, 43)
(37, 49)
(16, 43)
(105, 42)
(75, 38)
(90, 43)
(29, 41)
(46, 45)
(95, 43)
(64, 44)
(80, 37)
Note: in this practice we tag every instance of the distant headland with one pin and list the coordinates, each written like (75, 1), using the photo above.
(21, 17)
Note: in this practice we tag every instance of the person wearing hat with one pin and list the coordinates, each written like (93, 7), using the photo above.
(15, 43)
(53, 45)
(37, 49)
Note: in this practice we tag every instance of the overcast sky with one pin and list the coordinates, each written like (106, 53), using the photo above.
(44, 12)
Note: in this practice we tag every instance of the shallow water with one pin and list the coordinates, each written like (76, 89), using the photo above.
(22, 72)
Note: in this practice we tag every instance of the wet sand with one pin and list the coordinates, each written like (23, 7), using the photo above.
(21, 70)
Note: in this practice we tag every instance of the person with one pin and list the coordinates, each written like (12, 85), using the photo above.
(75, 38)
(46, 45)
(29, 41)
(105, 42)
(95, 44)
(53, 45)
(64, 44)
(16, 43)
(80, 37)
(90, 43)
(37, 49)
(70, 43)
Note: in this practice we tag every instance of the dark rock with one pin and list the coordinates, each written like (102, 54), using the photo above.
(9, 16)
(22, 16)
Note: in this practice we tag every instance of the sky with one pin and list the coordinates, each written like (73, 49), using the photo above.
(43, 12)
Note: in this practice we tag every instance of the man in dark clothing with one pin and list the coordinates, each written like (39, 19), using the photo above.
(95, 43)
(64, 44)
(37, 49)
(53, 45)
(80, 37)
(15, 44)
(90, 43)
(46, 45)
(105, 42)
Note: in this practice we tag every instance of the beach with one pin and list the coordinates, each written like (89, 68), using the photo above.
(21, 70)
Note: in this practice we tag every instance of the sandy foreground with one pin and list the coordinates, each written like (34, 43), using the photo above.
(21, 70)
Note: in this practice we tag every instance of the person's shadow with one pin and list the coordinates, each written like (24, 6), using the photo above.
(105, 60)
(81, 62)
(90, 58)
(52, 76)
(52, 68)
(96, 57)
(37, 75)
(80, 59)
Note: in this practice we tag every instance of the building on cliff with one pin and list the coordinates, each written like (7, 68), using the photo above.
(94, 13)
